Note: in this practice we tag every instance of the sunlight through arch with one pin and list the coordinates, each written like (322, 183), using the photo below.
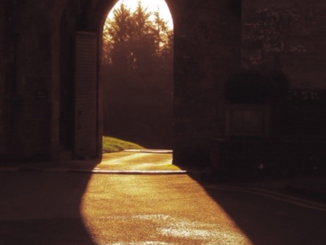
(137, 61)
(151, 5)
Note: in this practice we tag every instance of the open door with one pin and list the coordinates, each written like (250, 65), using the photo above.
(86, 108)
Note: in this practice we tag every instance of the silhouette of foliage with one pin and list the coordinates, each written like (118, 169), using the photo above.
(137, 74)
(135, 42)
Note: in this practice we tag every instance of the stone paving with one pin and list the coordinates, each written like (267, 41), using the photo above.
(160, 162)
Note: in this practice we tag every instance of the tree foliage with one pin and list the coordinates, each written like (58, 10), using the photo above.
(138, 83)
(139, 41)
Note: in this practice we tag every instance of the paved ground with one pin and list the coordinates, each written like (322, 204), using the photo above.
(160, 161)
(54, 207)
(60, 208)
(126, 160)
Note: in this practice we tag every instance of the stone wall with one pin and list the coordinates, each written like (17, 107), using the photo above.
(207, 51)
(9, 99)
(2, 78)
(288, 36)
(213, 39)
(27, 79)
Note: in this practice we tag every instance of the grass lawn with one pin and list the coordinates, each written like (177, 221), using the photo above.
(111, 144)
(118, 160)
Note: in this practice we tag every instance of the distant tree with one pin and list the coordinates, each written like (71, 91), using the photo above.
(163, 40)
(142, 40)
(138, 83)
(134, 42)
(116, 38)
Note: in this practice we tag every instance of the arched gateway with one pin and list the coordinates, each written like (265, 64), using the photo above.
(50, 88)
(55, 94)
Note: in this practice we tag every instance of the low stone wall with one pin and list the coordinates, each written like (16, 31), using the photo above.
(275, 157)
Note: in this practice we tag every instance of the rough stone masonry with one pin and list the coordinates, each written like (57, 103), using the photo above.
(51, 106)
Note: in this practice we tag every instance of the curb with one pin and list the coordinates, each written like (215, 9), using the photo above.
(149, 151)
(95, 171)
(134, 172)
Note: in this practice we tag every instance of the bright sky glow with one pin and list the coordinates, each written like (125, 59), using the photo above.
(152, 5)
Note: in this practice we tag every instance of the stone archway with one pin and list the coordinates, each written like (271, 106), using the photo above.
(206, 51)
(213, 39)
(203, 59)
(87, 121)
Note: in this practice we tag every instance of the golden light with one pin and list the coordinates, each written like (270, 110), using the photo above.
(113, 202)
(151, 5)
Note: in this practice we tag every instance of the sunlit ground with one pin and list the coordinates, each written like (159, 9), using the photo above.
(140, 209)
(161, 210)
(137, 161)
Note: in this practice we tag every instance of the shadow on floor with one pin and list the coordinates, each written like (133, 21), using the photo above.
(42, 208)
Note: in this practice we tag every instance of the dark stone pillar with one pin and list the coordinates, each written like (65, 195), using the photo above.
(207, 51)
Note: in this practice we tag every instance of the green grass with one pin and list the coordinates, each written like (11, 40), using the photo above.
(111, 144)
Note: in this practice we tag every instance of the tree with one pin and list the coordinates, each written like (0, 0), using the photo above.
(138, 83)
(134, 42)
(116, 38)
(142, 40)
(163, 42)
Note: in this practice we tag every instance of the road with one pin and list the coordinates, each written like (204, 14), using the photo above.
(62, 208)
